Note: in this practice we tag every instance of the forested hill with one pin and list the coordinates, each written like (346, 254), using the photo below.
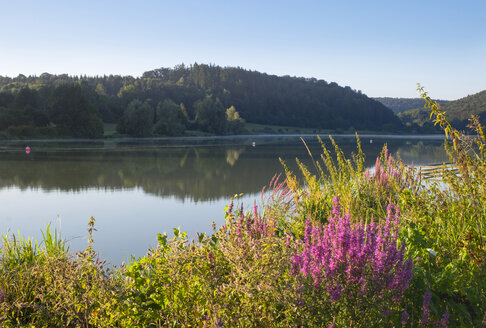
(398, 105)
(457, 111)
(167, 101)
(463, 108)
(270, 99)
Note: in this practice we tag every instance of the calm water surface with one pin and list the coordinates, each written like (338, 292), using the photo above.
(136, 189)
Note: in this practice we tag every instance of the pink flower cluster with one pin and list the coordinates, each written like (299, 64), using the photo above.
(354, 259)
(253, 224)
(387, 172)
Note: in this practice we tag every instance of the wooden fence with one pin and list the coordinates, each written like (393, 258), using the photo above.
(433, 171)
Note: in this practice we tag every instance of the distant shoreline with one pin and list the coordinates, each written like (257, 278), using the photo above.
(239, 136)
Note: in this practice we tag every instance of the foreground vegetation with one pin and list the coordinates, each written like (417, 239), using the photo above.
(345, 248)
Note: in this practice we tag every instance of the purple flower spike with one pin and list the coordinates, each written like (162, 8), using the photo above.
(405, 317)
(426, 308)
(252, 224)
(444, 320)
(350, 259)
(336, 209)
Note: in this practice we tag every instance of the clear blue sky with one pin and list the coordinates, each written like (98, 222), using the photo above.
(380, 47)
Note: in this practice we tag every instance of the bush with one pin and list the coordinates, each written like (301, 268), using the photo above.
(42, 285)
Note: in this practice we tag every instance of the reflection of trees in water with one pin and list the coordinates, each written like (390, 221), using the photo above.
(232, 155)
(420, 153)
(197, 173)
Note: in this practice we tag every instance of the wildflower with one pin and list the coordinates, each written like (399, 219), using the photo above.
(348, 258)
(405, 317)
(308, 229)
(444, 320)
(230, 207)
(287, 241)
(240, 224)
(335, 292)
(426, 308)
(252, 225)
(336, 209)
(367, 175)
(362, 282)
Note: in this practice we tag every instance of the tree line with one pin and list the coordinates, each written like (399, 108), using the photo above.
(457, 112)
(398, 105)
(170, 101)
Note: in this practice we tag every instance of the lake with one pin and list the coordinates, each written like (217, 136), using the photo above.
(138, 188)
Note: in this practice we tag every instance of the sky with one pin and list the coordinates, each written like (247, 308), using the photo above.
(383, 48)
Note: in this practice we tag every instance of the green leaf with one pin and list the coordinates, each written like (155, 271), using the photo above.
(162, 239)
(201, 236)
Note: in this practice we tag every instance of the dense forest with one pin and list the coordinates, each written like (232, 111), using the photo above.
(457, 111)
(398, 105)
(171, 101)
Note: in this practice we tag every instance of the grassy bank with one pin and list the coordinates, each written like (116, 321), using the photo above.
(109, 131)
(249, 128)
(346, 248)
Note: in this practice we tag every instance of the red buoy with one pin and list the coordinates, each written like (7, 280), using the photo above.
(27, 150)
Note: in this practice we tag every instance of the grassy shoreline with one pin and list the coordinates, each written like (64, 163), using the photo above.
(250, 128)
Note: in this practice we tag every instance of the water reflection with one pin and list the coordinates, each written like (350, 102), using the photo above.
(423, 153)
(136, 189)
(186, 169)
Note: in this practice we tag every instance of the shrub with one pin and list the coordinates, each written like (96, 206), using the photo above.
(42, 286)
